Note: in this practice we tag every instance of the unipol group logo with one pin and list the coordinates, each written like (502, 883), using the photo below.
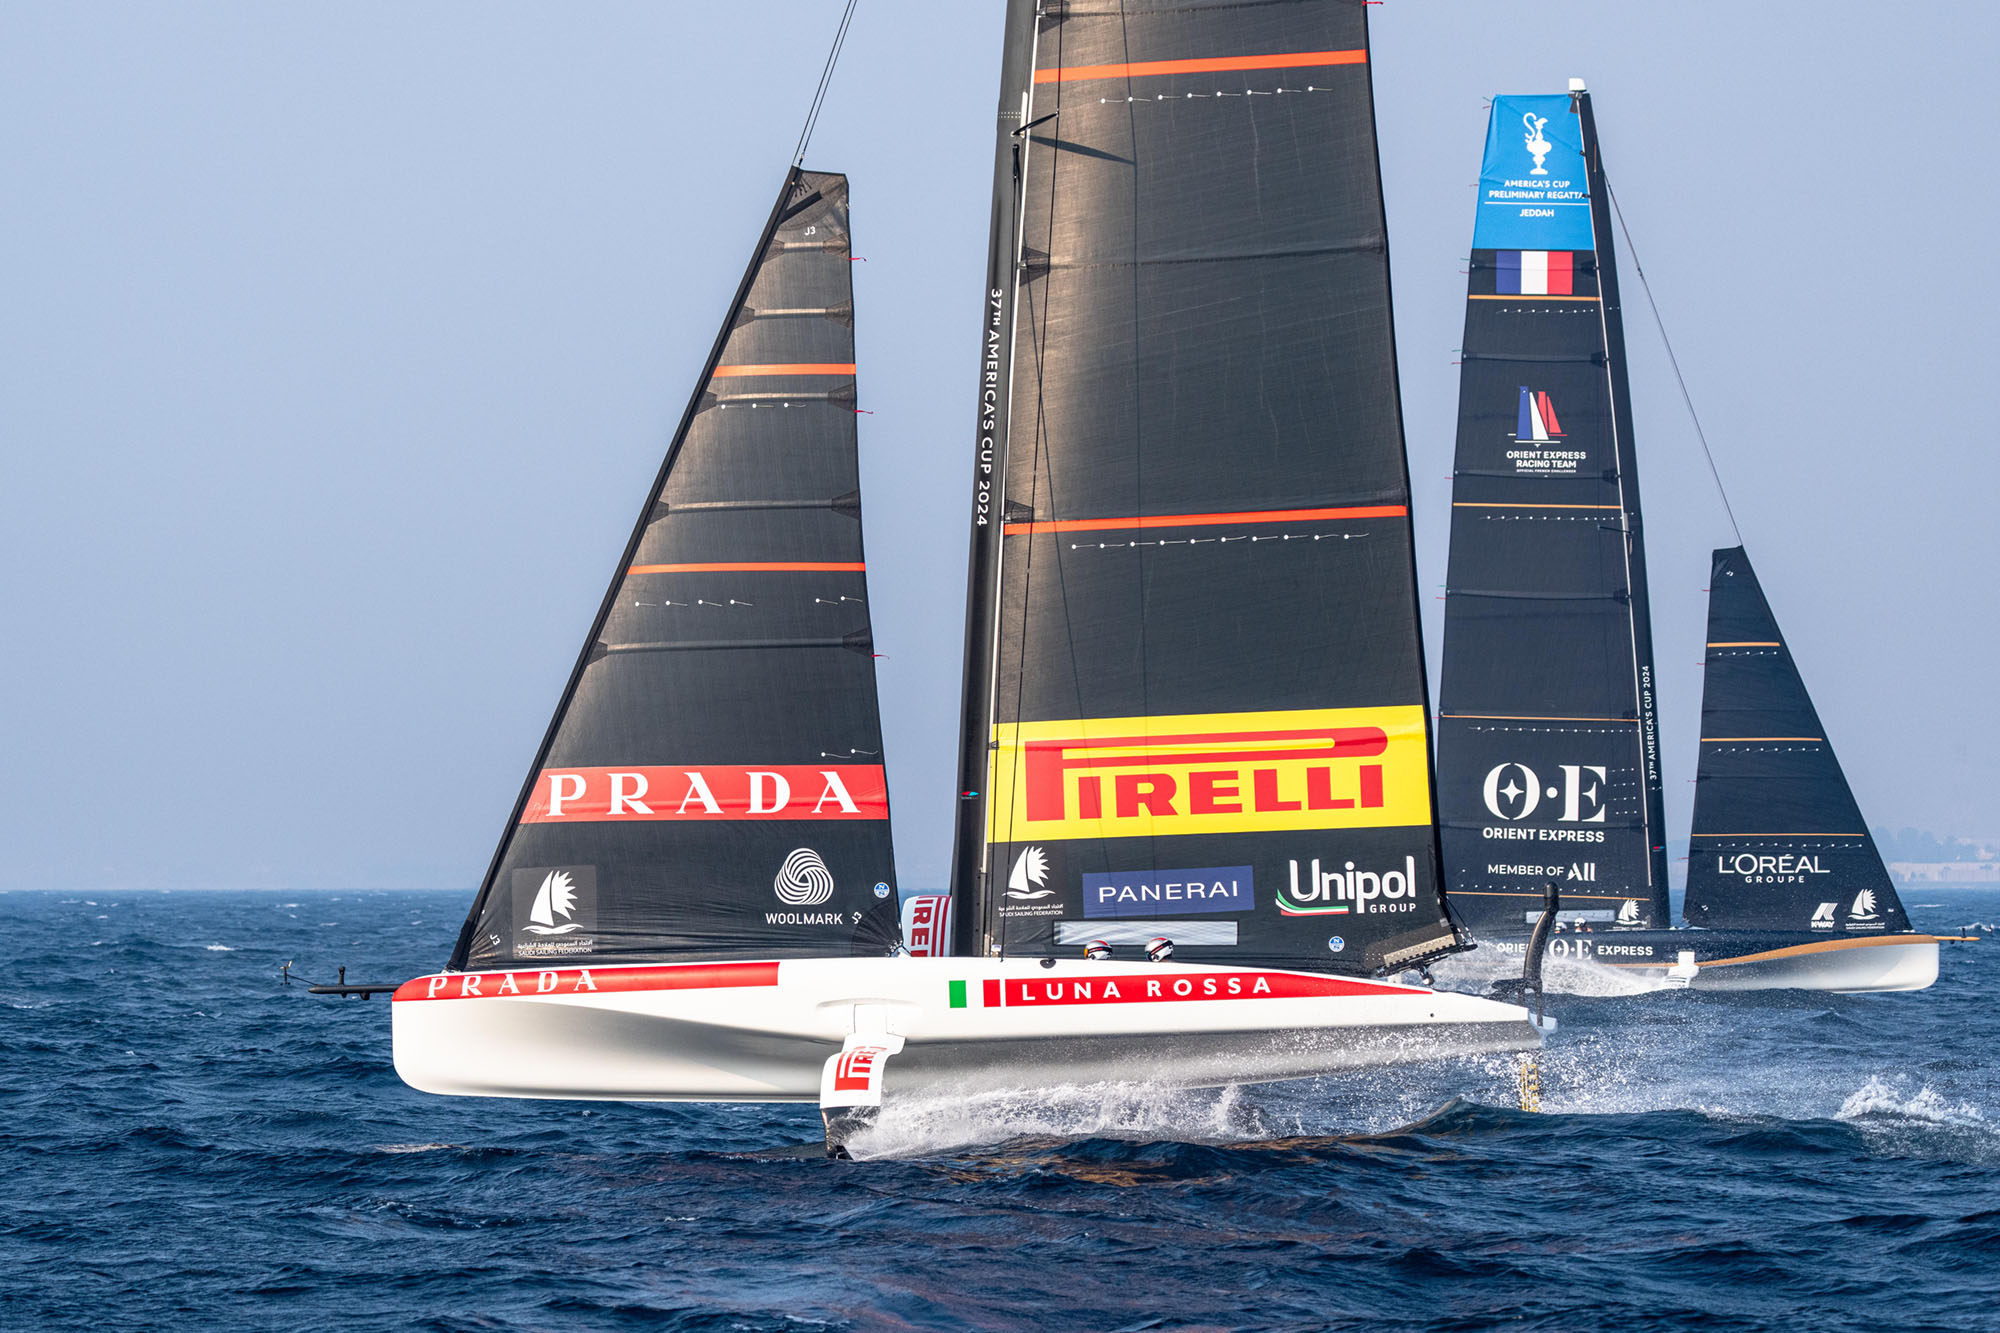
(1514, 791)
(1538, 144)
(803, 880)
(1029, 878)
(1207, 773)
(1349, 890)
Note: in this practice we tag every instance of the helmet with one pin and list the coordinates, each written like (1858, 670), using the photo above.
(1097, 950)
(1159, 948)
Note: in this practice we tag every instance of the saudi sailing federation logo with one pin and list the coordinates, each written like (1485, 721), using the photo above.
(1628, 915)
(1863, 908)
(803, 880)
(1537, 142)
(555, 898)
(1030, 867)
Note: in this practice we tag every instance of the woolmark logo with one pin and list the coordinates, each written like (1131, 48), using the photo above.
(804, 880)
(1514, 791)
(1028, 880)
(1208, 773)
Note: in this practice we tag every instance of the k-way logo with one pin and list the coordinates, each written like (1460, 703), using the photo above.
(712, 791)
(1209, 773)
(1340, 892)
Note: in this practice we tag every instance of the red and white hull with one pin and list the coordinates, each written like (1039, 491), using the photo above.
(762, 1031)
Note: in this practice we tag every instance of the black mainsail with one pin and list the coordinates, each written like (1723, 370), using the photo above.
(1548, 746)
(1195, 703)
(711, 785)
(1779, 842)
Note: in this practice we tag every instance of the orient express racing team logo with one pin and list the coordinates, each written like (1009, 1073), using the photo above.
(1126, 777)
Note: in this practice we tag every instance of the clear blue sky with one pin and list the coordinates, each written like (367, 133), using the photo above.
(339, 343)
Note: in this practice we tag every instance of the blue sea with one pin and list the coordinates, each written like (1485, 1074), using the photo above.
(190, 1144)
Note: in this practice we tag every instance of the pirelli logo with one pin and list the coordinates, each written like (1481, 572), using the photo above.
(1209, 773)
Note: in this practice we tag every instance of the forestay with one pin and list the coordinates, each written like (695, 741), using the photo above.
(712, 782)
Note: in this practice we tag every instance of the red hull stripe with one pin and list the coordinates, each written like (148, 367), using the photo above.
(757, 567)
(587, 981)
(1045, 993)
(787, 368)
(1205, 520)
(1209, 65)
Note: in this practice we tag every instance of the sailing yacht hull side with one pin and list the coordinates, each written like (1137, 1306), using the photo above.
(762, 1031)
(1740, 960)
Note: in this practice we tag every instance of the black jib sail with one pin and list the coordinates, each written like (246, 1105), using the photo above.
(712, 782)
(1548, 747)
(1779, 843)
(1195, 699)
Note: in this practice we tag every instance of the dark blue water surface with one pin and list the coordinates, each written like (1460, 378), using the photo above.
(187, 1144)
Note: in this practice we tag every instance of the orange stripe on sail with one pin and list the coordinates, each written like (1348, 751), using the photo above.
(756, 567)
(787, 368)
(1204, 520)
(1208, 65)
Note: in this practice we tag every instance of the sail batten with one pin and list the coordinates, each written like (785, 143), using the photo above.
(714, 765)
(1193, 652)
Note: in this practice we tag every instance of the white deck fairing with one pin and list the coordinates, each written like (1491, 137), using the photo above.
(762, 1031)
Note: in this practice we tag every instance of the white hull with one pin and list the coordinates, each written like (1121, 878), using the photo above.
(763, 1031)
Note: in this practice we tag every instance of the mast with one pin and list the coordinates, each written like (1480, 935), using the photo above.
(1195, 703)
(711, 784)
(1548, 742)
(972, 926)
(1779, 842)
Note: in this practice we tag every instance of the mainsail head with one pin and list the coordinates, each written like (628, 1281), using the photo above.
(712, 782)
(1195, 695)
(1779, 842)
(1548, 747)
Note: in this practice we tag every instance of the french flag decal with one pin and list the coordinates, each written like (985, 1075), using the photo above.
(1535, 272)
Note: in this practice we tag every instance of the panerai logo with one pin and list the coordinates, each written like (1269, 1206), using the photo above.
(1349, 890)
